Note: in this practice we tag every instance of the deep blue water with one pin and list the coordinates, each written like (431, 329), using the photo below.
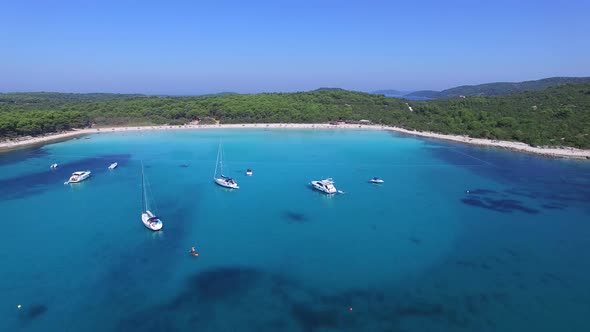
(458, 238)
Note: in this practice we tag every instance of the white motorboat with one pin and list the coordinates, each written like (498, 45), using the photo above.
(376, 180)
(249, 172)
(325, 186)
(53, 166)
(222, 180)
(78, 176)
(113, 166)
(147, 217)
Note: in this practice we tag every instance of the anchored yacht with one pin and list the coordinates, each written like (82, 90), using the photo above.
(222, 180)
(377, 180)
(113, 166)
(79, 176)
(325, 186)
(147, 217)
(151, 221)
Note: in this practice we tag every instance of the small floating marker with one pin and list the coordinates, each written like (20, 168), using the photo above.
(18, 306)
(467, 191)
(350, 309)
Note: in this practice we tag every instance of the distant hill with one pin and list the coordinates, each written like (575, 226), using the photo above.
(391, 93)
(328, 89)
(556, 116)
(423, 94)
(48, 97)
(499, 88)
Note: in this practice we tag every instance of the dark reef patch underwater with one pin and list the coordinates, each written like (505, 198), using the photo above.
(255, 300)
(33, 312)
(33, 183)
(295, 217)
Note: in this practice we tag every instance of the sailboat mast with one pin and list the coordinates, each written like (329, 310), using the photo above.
(221, 159)
(143, 197)
(217, 161)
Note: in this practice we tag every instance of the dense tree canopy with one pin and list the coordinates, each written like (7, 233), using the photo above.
(556, 116)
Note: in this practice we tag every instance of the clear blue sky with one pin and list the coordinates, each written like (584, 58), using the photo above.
(189, 47)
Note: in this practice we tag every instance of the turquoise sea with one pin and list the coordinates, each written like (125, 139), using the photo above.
(458, 238)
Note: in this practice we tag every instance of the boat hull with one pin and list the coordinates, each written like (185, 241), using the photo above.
(223, 183)
(154, 226)
(80, 178)
(319, 187)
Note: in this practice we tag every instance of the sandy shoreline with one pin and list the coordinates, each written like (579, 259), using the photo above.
(554, 152)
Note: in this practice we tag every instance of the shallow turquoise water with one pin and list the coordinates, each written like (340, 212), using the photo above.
(417, 253)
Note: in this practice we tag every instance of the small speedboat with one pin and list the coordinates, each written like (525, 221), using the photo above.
(376, 180)
(53, 166)
(325, 186)
(249, 172)
(151, 221)
(113, 166)
(78, 177)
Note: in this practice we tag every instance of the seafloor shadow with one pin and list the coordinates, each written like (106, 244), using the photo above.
(22, 155)
(492, 200)
(295, 217)
(249, 299)
(551, 184)
(33, 183)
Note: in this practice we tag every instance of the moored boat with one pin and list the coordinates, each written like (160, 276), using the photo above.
(249, 172)
(151, 221)
(78, 177)
(222, 180)
(326, 186)
(376, 180)
(113, 165)
(147, 217)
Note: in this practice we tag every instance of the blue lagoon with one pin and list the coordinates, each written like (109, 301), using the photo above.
(458, 238)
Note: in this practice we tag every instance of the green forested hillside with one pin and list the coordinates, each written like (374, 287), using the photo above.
(56, 97)
(500, 88)
(556, 116)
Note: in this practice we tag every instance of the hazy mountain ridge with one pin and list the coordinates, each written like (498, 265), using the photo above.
(499, 88)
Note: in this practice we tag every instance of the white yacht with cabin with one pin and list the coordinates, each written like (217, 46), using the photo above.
(325, 186)
(113, 165)
(78, 176)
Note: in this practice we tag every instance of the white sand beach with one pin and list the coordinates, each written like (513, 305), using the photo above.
(554, 152)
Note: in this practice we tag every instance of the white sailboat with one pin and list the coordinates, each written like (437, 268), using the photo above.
(222, 180)
(147, 217)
